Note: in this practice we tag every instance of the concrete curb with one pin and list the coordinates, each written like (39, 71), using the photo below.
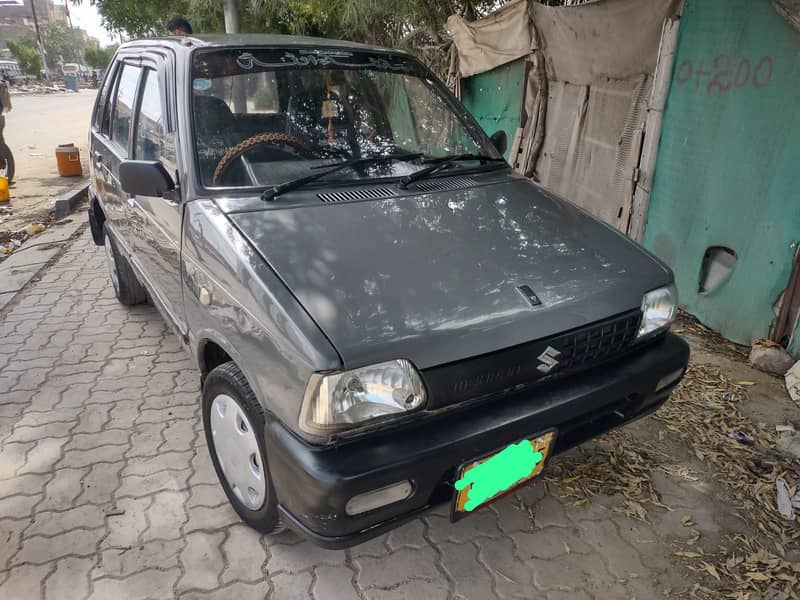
(67, 201)
(20, 268)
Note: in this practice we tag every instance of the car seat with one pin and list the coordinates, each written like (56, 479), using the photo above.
(215, 132)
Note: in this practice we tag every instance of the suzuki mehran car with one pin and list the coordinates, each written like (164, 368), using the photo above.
(384, 315)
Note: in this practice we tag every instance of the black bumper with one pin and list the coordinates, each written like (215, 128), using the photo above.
(314, 483)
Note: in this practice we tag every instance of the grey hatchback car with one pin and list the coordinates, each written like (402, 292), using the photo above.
(385, 316)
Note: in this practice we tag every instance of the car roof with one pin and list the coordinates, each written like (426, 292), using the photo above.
(220, 40)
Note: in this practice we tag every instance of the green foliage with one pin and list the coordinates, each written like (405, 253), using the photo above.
(27, 55)
(97, 57)
(62, 45)
(139, 18)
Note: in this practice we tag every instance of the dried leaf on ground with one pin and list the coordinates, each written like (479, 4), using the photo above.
(703, 411)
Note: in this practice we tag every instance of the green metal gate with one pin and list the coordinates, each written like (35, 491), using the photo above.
(495, 98)
(728, 168)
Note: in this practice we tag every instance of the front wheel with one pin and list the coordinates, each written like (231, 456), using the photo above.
(6, 162)
(233, 421)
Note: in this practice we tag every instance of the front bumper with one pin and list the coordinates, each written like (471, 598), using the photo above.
(314, 482)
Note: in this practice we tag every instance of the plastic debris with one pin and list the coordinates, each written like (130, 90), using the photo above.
(742, 438)
(793, 383)
(34, 228)
(784, 500)
(789, 443)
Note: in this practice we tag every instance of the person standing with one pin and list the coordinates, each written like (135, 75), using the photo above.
(6, 158)
(179, 26)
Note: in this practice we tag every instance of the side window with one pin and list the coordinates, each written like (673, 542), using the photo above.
(102, 109)
(123, 105)
(151, 141)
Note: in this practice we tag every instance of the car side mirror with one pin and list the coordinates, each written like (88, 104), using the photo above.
(145, 178)
(500, 141)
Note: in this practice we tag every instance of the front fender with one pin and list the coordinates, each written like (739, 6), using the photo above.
(251, 314)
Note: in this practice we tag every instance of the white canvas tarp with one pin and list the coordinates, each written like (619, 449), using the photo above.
(503, 36)
(586, 97)
(613, 39)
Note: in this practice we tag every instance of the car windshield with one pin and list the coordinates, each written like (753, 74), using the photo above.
(265, 116)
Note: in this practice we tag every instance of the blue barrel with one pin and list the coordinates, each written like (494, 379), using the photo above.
(71, 82)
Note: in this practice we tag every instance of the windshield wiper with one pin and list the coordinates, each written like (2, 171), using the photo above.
(293, 184)
(439, 163)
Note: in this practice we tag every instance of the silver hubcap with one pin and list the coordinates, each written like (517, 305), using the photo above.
(112, 264)
(237, 451)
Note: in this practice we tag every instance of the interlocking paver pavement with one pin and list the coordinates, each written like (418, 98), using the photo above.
(107, 490)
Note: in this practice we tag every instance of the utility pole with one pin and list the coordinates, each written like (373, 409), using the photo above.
(39, 40)
(72, 34)
(231, 11)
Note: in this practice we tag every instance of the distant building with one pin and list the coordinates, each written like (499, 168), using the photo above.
(16, 17)
(58, 12)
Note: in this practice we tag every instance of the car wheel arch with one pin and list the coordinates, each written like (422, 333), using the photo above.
(211, 355)
(210, 348)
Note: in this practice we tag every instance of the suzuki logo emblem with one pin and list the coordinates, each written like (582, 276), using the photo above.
(548, 359)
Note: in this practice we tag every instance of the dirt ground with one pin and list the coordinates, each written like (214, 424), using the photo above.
(34, 127)
(722, 515)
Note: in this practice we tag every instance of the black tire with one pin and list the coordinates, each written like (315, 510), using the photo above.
(228, 379)
(126, 285)
(5, 155)
(96, 223)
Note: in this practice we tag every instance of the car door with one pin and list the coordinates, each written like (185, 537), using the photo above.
(157, 220)
(111, 145)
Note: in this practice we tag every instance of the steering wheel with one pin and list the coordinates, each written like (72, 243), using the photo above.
(274, 138)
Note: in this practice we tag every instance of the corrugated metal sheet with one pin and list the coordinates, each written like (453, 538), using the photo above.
(728, 172)
(495, 98)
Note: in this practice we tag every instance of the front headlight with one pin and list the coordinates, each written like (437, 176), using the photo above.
(339, 401)
(658, 310)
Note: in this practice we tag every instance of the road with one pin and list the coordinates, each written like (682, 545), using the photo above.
(107, 489)
(34, 127)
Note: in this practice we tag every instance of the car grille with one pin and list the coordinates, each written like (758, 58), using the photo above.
(514, 369)
(596, 343)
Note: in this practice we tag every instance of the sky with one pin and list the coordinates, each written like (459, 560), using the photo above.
(86, 17)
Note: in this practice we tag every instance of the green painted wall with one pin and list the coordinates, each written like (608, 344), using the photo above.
(728, 166)
(495, 98)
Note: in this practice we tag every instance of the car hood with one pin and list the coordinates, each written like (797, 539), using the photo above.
(434, 277)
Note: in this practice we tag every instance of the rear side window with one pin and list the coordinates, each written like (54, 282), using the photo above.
(102, 110)
(123, 105)
(151, 141)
